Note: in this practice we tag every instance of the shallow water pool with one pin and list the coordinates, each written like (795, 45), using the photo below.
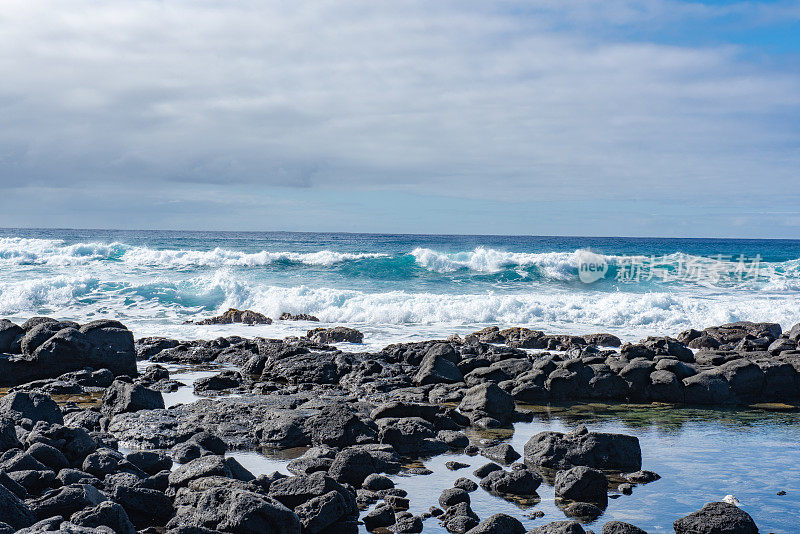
(702, 455)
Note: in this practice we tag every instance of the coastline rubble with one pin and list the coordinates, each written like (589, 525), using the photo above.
(125, 462)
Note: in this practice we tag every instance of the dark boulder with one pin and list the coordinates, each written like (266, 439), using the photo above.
(338, 426)
(515, 482)
(33, 406)
(437, 369)
(381, 516)
(745, 379)
(665, 387)
(408, 435)
(145, 507)
(321, 512)
(488, 400)
(124, 397)
(150, 462)
(14, 511)
(298, 317)
(237, 316)
(106, 514)
(207, 466)
(559, 527)
(237, 511)
(452, 496)
(582, 484)
(66, 501)
(353, 466)
(336, 334)
(8, 434)
(49, 456)
(707, 388)
(618, 527)
(498, 524)
(502, 453)
(294, 491)
(9, 333)
(581, 447)
(716, 518)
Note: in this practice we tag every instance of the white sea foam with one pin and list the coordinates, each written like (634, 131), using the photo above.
(23, 251)
(43, 294)
(557, 265)
(156, 290)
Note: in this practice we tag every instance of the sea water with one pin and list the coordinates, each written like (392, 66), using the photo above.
(411, 287)
(396, 287)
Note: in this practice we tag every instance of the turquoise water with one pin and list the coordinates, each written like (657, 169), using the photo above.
(397, 286)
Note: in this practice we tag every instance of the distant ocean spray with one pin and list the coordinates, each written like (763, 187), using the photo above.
(396, 286)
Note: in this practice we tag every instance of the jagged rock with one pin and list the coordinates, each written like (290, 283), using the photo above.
(9, 333)
(321, 512)
(338, 426)
(706, 388)
(337, 334)
(122, 397)
(298, 317)
(14, 511)
(237, 316)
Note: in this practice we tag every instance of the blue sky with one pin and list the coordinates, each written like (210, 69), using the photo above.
(649, 117)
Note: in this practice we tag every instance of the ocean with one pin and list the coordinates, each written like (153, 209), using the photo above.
(396, 287)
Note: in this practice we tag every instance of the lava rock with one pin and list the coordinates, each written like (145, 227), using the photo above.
(716, 518)
(581, 447)
(106, 514)
(336, 334)
(498, 524)
(618, 527)
(516, 482)
(582, 484)
(124, 397)
(33, 406)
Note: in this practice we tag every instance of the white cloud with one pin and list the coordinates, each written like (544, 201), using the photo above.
(447, 98)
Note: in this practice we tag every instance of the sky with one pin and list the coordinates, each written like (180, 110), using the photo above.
(552, 117)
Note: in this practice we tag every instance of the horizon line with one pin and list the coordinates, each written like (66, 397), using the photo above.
(396, 233)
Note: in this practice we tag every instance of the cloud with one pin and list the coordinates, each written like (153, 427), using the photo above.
(555, 102)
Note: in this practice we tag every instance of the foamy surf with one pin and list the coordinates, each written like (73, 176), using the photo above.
(390, 287)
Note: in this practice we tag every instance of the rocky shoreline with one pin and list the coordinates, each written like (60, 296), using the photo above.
(359, 416)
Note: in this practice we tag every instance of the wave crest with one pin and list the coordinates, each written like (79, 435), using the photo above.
(24, 251)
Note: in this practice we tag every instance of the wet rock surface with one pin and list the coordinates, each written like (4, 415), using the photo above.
(357, 416)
